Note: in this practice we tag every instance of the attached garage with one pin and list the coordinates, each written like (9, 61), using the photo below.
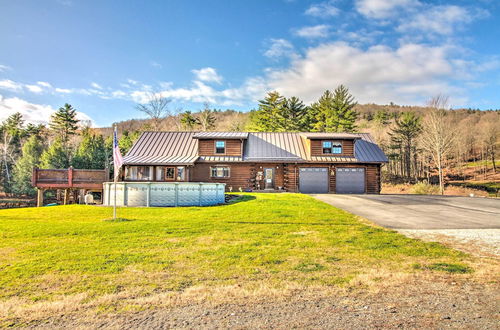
(313, 180)
(350, 180)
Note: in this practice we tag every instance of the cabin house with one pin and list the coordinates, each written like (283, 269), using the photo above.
(295, 162)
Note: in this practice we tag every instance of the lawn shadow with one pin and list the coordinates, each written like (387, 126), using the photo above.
(239, 198)
(118, 220)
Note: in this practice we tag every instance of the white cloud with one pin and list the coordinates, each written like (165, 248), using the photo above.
(438, 19)
(279, 48)
(208, 75)
(310, 32)
(34, 88)
(32, 113)
(4, 68)
(323, 10)
(380, 9)
(10, 85)
(379, 74)
(63, 90)
(44, 84)
(95, 85)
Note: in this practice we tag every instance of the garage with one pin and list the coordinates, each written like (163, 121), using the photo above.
(313, 180)
(350, 180)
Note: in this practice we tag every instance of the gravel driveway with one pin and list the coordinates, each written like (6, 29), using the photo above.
(469, 224)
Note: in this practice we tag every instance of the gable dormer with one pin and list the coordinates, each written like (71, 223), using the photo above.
(220, 143)
(331, 144)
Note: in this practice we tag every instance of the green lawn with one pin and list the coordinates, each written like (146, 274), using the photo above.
(273, 238)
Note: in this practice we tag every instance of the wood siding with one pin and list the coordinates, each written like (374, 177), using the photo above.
(347, 148)
(207, 148)
(243, 175)
(240, 175)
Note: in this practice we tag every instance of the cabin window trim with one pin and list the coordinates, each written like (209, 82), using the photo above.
(132, 173)
(220, 172)
(220, 150)
(180, 173)
(329, 147)
(171, 176)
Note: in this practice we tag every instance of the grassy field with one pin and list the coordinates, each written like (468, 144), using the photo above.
(50, 253)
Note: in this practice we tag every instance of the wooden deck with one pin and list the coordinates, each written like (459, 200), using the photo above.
(67, 179)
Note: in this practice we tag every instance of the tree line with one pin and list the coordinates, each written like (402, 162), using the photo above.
(65, 142)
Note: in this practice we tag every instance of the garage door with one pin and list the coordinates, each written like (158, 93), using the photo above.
(313, 180)
(350, 180)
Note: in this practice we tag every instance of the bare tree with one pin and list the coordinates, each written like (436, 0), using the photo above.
(206, 118)
(438, 134)
(156, 107)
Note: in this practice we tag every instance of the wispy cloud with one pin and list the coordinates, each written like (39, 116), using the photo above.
(279, 48)
(312, 32)
(10, 85)
(95, 85)
(381, 9)
(323, 10)
(4, 68)
(207, 74)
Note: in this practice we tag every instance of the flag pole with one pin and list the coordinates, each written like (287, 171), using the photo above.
(115, 176)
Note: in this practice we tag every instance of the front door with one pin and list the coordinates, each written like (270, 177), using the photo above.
(269, 178)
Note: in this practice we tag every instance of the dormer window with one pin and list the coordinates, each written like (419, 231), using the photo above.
(332, 147)
(220, 147)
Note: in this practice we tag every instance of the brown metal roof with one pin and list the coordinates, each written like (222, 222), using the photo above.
(154, 148)
(221, 135)
(181, 148)
(321, 135)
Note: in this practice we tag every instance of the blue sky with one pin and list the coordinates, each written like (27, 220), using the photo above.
(105, 56)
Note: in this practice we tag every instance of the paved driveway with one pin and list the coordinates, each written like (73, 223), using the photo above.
(468, 224)
(420, 212)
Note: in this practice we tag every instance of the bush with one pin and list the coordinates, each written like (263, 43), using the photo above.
(424, 188)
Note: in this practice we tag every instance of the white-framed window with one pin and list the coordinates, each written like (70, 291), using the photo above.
(139, 173)
(220, 172)
(181, 173)
(332, 147)
(220, 147)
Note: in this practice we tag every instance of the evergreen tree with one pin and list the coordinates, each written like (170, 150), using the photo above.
(334, 112)
(382, 117)
(267, 117)
(56, 156)
(127, 140)
(293, 116)
(188, 121)
(64, 123)
(31, 154)
(91, 152)
(403, 137)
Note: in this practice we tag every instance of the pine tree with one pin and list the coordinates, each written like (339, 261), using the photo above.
(188, 121)
(127, 141)
(403, 137)
(267, 117)
(31, 154)
(91, 152)
(293, 116)
(56, 156)
(64, 123)
(334, 112)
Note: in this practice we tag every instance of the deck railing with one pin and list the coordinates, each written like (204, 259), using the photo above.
(69, 178)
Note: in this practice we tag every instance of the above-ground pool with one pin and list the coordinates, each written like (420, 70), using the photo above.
(164, 193)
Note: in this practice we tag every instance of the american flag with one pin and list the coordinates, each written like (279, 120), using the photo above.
(117, 155)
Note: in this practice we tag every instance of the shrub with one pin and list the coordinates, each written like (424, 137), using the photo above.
(425, 188)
